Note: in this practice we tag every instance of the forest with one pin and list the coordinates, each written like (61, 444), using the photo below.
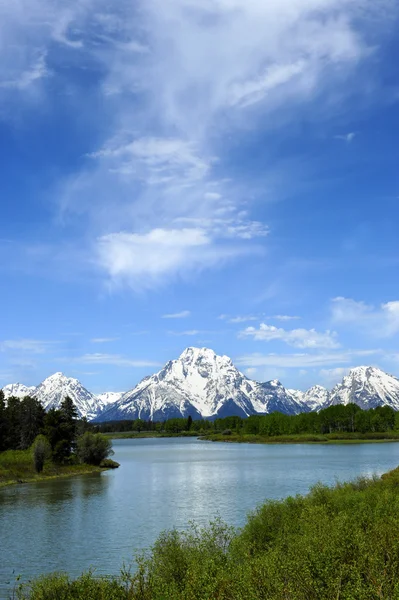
(30, 437)
(334, 419)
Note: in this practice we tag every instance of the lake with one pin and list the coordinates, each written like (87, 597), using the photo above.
(102, 520)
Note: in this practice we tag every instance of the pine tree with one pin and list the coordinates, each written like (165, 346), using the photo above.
(3, 424)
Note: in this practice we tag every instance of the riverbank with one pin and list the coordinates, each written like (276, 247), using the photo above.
(335, 542)
(128, 435)
(329, 438)
(16, 466)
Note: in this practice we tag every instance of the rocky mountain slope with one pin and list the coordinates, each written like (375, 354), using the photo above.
(204, 385)
(201, 384)
(368, 387)
(53, 390)
(17, 389)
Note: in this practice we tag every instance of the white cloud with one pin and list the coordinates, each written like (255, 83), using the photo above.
(285, 318)
(173, 78)
(27, 345)
(330, 377)
(145, 260)
(346, 137)
(24, 79)
(378, 321)
(241, 319)
(299, 338)
(303, 360)
(189, 332)
(179, 315)
(116, 360)
(104, 340)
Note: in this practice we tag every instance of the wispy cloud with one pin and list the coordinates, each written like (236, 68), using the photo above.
(27, 346)
(179, 315)
(347, 137)
(330, 377)
(104, 340)
(377, 321)
(188, 332)
(285, 318)
(299, 338)
(116, 360)
(157, 173)
(304, 360)
(246, 318)
(145, 260)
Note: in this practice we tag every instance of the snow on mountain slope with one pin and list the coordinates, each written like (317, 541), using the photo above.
(368, 387)
(52, 391)
(201, 384)
(17, 389)
(204, 385)
(108, 398)
(316, 398)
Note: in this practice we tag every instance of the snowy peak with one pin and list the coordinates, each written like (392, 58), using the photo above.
(368, 387)
(203, 384)
(52, 391)
(316, 398)
(18, 390)
(108, 398)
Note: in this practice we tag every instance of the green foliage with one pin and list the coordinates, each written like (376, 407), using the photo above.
(338, 542)
(60, 426)
(108, 463)
(41, 451)
(93, 448)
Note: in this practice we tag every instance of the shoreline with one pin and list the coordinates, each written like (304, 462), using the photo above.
(333, 438)
(70, 471)
(327, 439)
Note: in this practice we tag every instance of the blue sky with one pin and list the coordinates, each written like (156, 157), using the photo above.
(221, 173)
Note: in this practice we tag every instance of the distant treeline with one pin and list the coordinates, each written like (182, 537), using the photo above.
(335, 419)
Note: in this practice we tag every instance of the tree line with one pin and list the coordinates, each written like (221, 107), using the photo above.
(334, 419)
(57, 435)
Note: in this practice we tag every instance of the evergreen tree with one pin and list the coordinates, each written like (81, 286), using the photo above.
(32, 421)
(3, 423)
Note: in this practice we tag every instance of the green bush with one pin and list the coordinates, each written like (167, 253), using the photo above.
(41, 451)
(336, 543)
(108, 463)
(93, 448)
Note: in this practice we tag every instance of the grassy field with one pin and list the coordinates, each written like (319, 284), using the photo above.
(329, 438)
(16, 466)
(336, 543)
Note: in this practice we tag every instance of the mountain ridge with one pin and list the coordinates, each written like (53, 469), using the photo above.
(203, 384)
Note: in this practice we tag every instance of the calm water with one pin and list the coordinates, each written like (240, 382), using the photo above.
(101, 520)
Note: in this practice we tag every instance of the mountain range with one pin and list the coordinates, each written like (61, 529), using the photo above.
(203, 384)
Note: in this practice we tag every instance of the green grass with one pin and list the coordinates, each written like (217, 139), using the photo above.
(304, 438)
(16, 466)
(336, 543)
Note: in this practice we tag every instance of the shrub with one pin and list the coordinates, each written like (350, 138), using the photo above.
(108, 463)
(41, 451)
(226, 432)
(93, 448)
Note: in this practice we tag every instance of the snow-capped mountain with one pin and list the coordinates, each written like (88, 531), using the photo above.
(204, 385)
(201, 384)
(368, 387)
(18, 390)
(316, 398)
(52, 391)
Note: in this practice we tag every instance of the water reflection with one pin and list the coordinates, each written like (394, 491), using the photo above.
(101, 520)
